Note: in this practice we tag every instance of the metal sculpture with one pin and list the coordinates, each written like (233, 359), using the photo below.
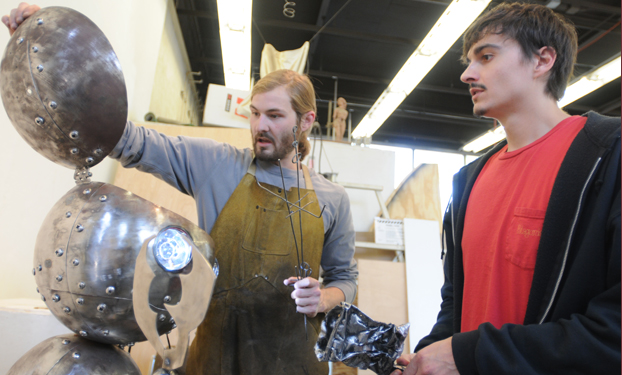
(63, 88)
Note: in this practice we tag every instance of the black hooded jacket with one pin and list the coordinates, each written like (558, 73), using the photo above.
(572, 322)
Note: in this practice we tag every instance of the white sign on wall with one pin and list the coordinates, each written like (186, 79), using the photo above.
(222, 107)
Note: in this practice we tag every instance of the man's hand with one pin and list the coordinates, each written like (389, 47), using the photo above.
(310, 298)
(436, 359)
(18, 15)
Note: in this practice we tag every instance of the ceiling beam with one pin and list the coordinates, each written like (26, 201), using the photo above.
(339, 32)
(385, 82)
(320, 22)
(313, 28)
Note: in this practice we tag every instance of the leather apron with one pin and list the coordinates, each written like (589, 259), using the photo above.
(252, 326)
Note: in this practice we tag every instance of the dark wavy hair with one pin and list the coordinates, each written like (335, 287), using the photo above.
(533, 26)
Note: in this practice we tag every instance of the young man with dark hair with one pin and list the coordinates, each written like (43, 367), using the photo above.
(532, 264)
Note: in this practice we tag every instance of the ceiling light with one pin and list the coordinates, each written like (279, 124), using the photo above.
(489, 138)
(234, 19)
(591, 81)
(456, 18)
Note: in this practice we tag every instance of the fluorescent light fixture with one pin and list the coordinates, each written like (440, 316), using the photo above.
(489, 138)
(456, 18)
(591, 81)
(234, 19)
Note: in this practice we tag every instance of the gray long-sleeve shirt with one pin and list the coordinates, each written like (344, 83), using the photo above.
(209, 171)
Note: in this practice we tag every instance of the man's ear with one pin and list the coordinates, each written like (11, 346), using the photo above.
(545, 58)
(307, 121)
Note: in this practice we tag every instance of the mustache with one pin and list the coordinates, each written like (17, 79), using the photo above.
(265, 135)
(477, 86)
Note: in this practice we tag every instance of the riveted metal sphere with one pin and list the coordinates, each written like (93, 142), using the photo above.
(93, 295)
(63, 88)
(70, 354)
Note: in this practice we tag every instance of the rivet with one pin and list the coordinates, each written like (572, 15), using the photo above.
(80, 301)
(42, 298)
(110, 290)
(265, 277)
(256, 275)
(66, 342)
(40, 68)
(39, 21)
(40, 120)
(73, 134)
(35, 49)
(86, 191)
(53, 105)
(76, 355)
(130, 344)
(174, 325)
(66, 309)
(40, 267)
(59, 278)
(37, 290)
(106, 332)
(83, 333)
(167, 299)
(162, 317)
(90, 174)
(76, 262)
(20, 40)
(121, 346)
(68, 214)
(167, 361)
(90, 160)
(56, 298)
(101, 307)
(79, 228)
(171, 320)
(34, 272)
(59, 252)
(74, 151)
(98, 152)
(82, 285)
(103, 198)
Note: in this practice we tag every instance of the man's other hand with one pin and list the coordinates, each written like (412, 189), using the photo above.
(436, 359)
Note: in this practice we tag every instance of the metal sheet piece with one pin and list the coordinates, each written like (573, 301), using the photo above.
(63, 88)
(350, 336)
(85, 257)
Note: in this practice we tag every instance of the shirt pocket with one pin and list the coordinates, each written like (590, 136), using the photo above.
(269, 232)
(523, 237)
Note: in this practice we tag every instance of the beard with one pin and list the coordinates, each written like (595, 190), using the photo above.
(282, 146)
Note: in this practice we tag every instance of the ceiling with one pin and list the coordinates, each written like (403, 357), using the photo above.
(364, 43)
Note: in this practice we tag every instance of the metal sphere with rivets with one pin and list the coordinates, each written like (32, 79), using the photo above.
(66, 60)
(101, 242)
(70, 354)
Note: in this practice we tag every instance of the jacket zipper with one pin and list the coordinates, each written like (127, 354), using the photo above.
(572, 228)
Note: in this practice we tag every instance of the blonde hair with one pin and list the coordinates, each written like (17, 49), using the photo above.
(301, 95)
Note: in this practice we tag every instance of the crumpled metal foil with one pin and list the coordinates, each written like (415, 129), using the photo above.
(350, 336)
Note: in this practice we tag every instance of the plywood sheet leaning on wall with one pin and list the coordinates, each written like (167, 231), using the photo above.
(159, 192)
(417, 197)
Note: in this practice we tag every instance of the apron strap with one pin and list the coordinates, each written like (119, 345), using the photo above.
(252, 169)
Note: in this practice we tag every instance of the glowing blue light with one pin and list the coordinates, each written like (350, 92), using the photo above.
(173, 249)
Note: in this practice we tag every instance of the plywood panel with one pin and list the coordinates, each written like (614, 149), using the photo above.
(159, 192)
(418, 196)
(382, 293)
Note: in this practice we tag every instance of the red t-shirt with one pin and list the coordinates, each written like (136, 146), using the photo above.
(503, 224)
